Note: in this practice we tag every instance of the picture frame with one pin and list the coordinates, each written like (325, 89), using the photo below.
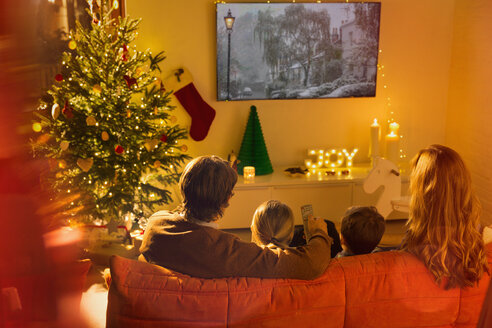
(297, 50)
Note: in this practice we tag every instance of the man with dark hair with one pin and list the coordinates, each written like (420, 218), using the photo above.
(361, 231)
(188, 240)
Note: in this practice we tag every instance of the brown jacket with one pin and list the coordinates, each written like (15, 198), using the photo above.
(200, 251)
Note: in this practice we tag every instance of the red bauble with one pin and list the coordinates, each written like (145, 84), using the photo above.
(130, 81)
(163, 138)
(118, 149)
(58, 77)
(124, 56)
(67, 110)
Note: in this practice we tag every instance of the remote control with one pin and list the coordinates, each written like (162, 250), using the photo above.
(306, 211)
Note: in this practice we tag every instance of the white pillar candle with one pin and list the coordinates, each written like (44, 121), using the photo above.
(375, 136)
(392, 147)
(249, 173)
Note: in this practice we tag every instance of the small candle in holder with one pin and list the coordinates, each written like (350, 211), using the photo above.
(249, 173)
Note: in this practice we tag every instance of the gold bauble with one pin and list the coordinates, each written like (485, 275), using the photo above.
(72, 45)
(64, 145)
(90, 120)
(104, 136)
(97, 88)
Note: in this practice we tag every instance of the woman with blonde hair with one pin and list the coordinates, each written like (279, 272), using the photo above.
(444, 219)
(273, 225)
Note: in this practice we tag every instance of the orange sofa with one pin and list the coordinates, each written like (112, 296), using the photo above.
(388, 289)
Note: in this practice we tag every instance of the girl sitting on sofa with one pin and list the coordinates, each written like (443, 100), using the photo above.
(444, 219)
(273, 225)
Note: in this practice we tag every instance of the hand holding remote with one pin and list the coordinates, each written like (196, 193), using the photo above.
(316, 224)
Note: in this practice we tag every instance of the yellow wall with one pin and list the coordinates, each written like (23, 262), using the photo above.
(470, 95)
(415, 37)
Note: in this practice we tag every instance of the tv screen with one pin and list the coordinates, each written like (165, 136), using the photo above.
(297, 50)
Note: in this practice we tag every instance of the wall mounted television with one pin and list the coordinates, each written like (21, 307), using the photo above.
(297, 50)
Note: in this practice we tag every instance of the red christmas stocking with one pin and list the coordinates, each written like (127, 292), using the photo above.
(201, 113)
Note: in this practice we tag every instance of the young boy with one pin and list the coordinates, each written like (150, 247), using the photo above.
(361, 231)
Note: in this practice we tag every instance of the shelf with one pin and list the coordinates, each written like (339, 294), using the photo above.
(279, 178)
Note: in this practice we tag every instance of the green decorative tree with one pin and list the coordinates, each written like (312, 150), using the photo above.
(253, 150)
(106, 125)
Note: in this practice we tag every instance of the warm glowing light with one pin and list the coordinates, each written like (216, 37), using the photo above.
(249, 173)
(394, 127)
(72, 45)
(36, 127)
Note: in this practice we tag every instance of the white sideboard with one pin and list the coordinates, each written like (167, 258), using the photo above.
(329, 195)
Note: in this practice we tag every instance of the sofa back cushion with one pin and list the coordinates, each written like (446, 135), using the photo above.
(287, 302)
(146, 295)
(394, 289)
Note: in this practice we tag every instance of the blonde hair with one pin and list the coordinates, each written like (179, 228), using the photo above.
(443, 226)
(273, 223)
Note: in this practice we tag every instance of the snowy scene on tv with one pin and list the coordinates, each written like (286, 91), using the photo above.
(297, 50)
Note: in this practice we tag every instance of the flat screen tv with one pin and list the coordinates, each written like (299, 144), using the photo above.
(297, 50)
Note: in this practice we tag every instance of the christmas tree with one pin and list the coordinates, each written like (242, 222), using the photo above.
(253, 150)
(106, 125)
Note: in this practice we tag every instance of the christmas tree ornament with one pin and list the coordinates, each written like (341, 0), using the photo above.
(42, 139)
(58, 77)
(150, 144)
(184, 148)
(72, 45)
(67, 110)
(163, 138)
(173, 119)
(118, 149)
(97, 88)
(85, 164)
(130, 81)
(55, 111)
(156, 110)
(104, 136)
(124, 53)
(128, 113)
(90, 120)
(116, 4)
(64, 145)
(253, 150)
(202, 115)
(157, 164)
(37, 127)
(62, 164)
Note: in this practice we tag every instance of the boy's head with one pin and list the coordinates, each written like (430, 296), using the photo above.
(273, 222)
(362, 229)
